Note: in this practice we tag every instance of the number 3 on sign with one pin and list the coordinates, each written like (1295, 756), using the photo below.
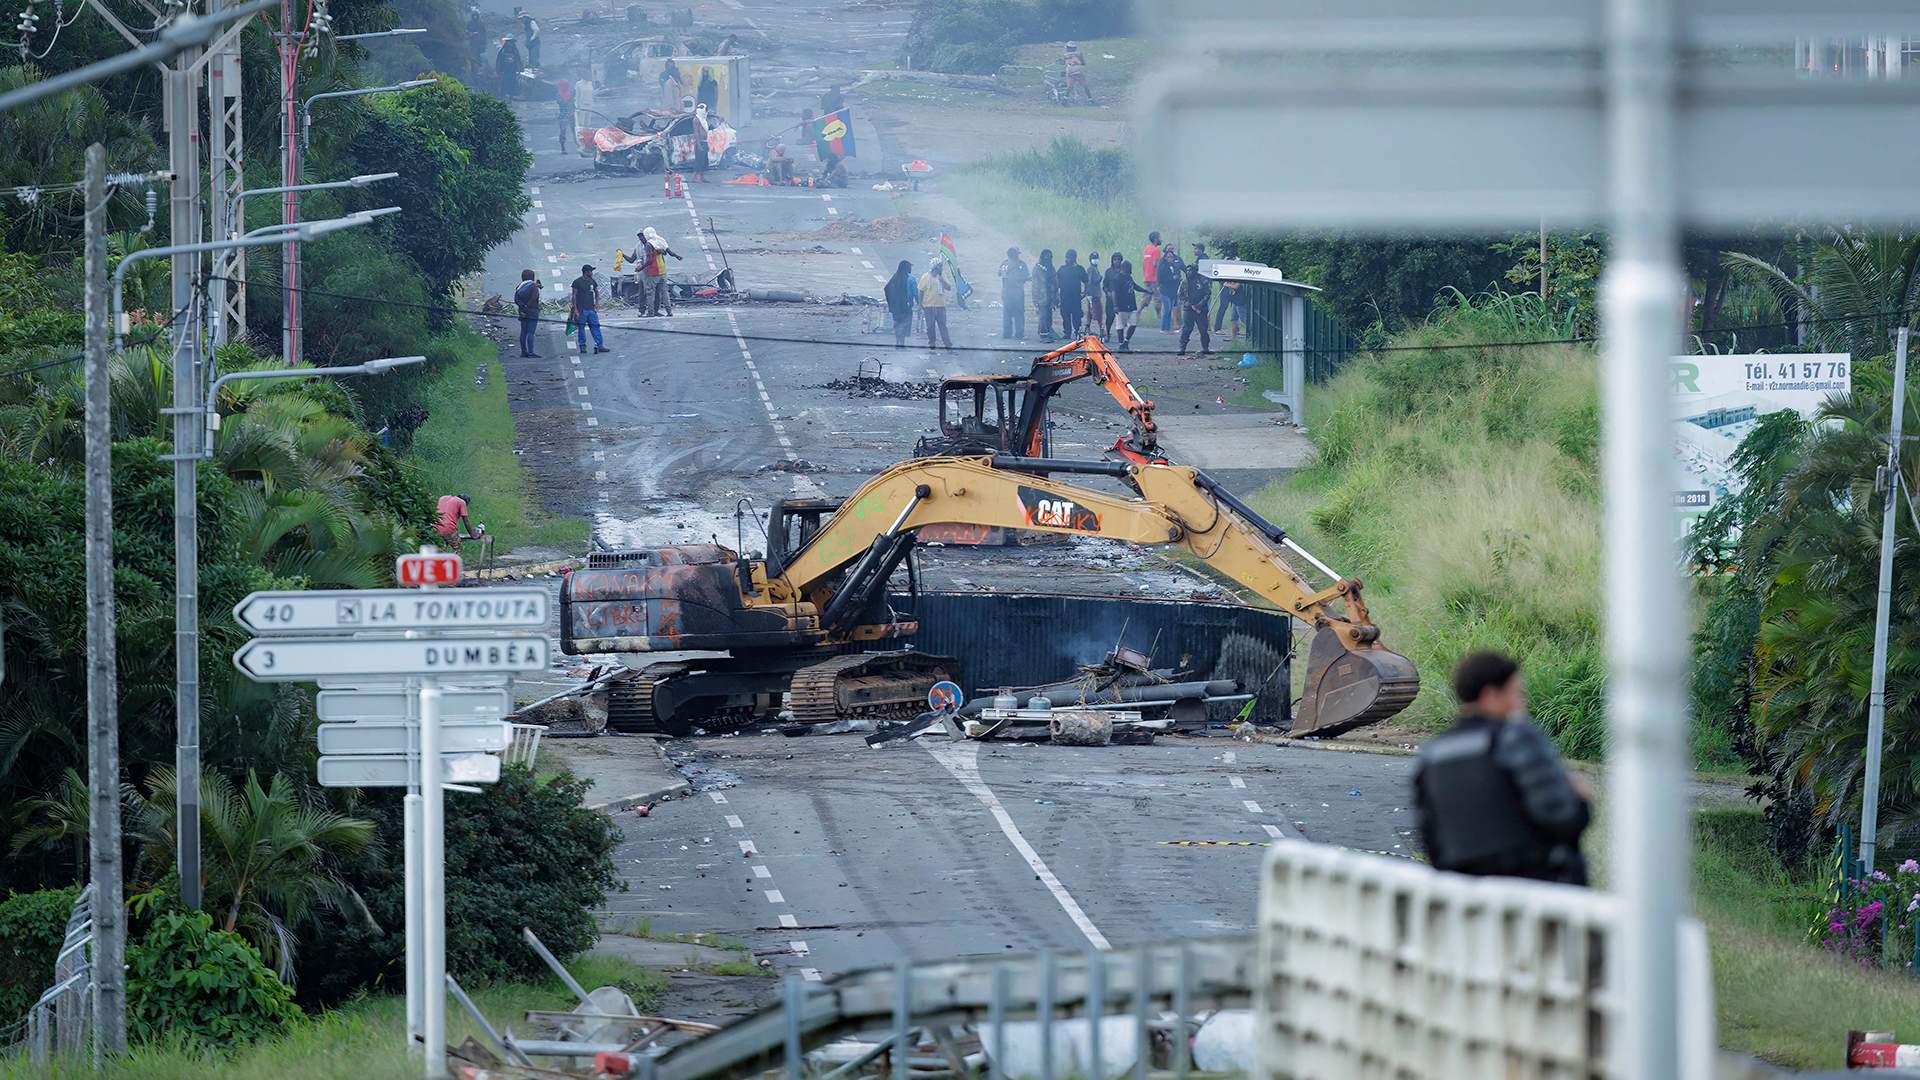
(266, 659)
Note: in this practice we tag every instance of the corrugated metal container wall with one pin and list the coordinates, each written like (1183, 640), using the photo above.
(1024, 639)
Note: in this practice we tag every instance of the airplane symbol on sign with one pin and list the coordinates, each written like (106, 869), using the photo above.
(349, 612)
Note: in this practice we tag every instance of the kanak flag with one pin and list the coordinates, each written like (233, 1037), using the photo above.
(833, 135)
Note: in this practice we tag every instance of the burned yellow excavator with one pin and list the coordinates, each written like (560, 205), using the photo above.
(804, 621)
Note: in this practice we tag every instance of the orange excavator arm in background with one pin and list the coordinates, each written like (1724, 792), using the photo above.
(1080, 359)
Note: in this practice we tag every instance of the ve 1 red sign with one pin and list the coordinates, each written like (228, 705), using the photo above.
(440, 568)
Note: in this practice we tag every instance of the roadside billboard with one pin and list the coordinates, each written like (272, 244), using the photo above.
(1718, 400)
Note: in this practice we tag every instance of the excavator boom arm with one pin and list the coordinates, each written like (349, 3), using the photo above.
(1079, 359)
(1177, 506)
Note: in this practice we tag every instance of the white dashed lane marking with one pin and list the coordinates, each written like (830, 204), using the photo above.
(789, 922)
(1252, 807)
(734, 822)
(747, 848)
(762, 872)
(1236, 782)
(717, 797)
(774, 897)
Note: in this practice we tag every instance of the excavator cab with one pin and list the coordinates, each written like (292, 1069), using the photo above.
(979, 414)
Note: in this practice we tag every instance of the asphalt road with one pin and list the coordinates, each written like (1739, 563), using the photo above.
(833, 856)
(823, 852)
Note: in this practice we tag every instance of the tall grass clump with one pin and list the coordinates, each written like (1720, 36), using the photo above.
(1460, 482)
(1069, 195)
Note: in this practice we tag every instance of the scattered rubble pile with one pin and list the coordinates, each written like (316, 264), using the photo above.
(869, 386)
(885, 230)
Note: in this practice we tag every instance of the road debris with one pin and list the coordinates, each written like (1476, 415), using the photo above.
(869, 386)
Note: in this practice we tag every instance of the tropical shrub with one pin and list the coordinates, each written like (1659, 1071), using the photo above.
(32, 927)
(524, 854)
(187, 982)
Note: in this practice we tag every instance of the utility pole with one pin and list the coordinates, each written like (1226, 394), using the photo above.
(1543, 258)
(290, 41)
(1890, 482)
(103, 690)
(227, 153)
(183, 145)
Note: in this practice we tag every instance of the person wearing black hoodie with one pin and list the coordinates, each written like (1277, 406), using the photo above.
(1072, 279)
(1123, 298)
(899, 293)
(1046, 292)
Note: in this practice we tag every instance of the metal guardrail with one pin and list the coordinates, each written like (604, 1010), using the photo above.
(1030, 1015)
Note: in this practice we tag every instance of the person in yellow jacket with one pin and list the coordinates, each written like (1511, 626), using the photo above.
(934, 291)
(652, 260)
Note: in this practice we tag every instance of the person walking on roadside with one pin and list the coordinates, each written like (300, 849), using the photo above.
(1490, 794)
(1072, 278)
(530, 33)
(899, 294)
(586, 309)
(654, 294)
(1150, 269)
(1233, 300)
(1123, 296)
(476, 37)
(1171, 277)
(1096, 321)
(506, 65)
(1076, 71)
(1014, 276)
(933, 304)
(1046, 292)
(526, 300)
(1196, 293)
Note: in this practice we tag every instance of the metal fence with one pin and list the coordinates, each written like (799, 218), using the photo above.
(1029, 1015)
(526, 744)
(1327, 343)
(58, 1025)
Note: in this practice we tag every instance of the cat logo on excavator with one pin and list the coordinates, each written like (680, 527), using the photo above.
(1044, 508)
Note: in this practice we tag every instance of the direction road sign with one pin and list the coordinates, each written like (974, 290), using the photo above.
(1413, 25)
(437, 568)
(398, 705)
(305, 659)
(1380, 149)
(397, 770)
(469, 737)
(393, 609)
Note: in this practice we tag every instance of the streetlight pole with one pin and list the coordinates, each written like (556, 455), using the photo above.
(230, 221)
(293, 137)
(1890, 482)
(186, 496)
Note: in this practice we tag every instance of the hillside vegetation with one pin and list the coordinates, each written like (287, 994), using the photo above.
(1459, 482)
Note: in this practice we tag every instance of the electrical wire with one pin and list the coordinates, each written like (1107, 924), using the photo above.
(60, 361)
(450, 309)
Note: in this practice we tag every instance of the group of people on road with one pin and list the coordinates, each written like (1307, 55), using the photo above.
(1107, 297)
(583, 306)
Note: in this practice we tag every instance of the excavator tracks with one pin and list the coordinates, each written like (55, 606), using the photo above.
(634, 705)
(870, 686)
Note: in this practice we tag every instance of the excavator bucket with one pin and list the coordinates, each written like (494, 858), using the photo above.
(1349, 688)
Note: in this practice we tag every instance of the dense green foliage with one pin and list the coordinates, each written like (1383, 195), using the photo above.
(975, 36)
(525, 854)
(1386, 283)
(1071, 168)
(32, 927)
(461, 166)
(189, 983)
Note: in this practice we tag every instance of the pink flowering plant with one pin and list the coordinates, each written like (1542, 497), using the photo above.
(1871, 920)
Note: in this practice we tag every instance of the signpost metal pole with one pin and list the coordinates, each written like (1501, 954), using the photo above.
(415, 956)
(1641, 304)
(1883, 607)
(433, 885)
(103, 687)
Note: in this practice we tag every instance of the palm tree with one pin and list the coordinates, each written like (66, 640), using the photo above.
(267, 856)
(1817, 551)
(1857, 289)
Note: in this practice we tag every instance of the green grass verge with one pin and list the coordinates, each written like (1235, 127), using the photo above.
(1023, 73)
(466, 446)
(364, 1039)
(1778, 997)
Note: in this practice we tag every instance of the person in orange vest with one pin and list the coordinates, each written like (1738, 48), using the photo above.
(653, 274)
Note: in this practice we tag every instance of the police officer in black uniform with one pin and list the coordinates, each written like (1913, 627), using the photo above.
(1492, 797)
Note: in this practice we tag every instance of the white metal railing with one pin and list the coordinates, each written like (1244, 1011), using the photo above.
(1385, 967)
(525, 745)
